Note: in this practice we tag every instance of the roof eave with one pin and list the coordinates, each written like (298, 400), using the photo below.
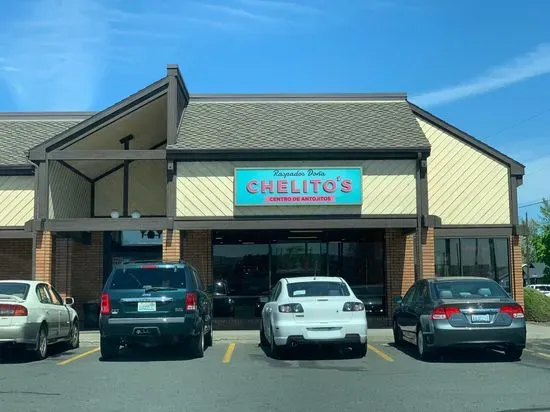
(516, 168)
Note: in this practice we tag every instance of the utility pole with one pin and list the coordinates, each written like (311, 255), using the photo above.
(527, 249)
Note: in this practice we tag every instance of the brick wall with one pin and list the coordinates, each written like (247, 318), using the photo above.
(428, 253)
(517, 273)
(399, 264)
(62, 268)
(15, 259)
(44, 256)
(171, 246)
(87, 271)
(197, 250)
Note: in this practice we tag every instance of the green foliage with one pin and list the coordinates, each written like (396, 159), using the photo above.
(537, 240)
(537, 306)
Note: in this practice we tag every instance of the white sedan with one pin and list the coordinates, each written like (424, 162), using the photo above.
(33, 315)
(313, 309)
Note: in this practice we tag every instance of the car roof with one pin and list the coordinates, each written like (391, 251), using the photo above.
(459, 278)
(313, 279)
(137, 264)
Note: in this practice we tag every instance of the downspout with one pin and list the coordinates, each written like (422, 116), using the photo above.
(419, 268)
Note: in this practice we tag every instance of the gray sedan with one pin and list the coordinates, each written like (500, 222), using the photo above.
(459, 312)
(33, 315)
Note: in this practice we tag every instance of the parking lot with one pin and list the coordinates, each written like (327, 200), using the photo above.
(237, 376)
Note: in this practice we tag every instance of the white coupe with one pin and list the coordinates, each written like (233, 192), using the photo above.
(313, 309)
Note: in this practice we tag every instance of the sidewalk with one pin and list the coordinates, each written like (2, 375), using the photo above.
(534, 332)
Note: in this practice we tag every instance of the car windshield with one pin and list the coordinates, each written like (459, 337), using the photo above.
(144, 278)
(19, 290)
(467, 289)
(317, 289)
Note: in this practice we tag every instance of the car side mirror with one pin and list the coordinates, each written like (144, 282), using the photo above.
(69, 301)
(398, 300)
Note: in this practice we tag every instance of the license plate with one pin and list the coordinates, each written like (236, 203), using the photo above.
(147, 306)
(481, 318)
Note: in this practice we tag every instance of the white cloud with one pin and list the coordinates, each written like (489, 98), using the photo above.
(532, 64)
(240, 12)
(281, 5)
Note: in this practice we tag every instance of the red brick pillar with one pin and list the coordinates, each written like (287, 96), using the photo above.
(197, 250)
(399, 264)
(517, 272)
(87, 271)
(428, 253)
(171, 246)
(44, 256)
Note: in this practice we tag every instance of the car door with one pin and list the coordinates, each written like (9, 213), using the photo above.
(50, 310)
(64, 317)
(269, 307)
(405, 319)
(419, 305)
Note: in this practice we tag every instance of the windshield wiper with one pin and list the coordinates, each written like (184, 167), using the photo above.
(158, 288)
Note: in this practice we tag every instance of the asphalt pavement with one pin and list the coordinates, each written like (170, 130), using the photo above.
(239, 376)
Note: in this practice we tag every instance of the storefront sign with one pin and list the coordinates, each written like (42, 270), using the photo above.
(309, 186)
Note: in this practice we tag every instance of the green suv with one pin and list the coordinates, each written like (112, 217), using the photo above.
(153, 303)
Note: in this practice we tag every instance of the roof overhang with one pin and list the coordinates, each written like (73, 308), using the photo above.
(516, 168)
(17, 170)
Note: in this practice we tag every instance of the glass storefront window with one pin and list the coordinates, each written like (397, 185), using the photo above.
(487, 257)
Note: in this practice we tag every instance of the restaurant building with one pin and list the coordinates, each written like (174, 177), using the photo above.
(253, 188)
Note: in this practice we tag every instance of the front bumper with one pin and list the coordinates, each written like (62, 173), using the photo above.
(145, 328)
(514, 335)
(343, 333)
(25, 333)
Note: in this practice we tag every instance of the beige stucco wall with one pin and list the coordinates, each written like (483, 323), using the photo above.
(205, 189)
(70, 193)
(16, 200)
(146, 189)
(465, 186)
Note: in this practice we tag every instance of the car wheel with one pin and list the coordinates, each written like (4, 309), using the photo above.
(74, 337)
(423, 352)
(196, 345)
(275, 351)
(263, 339)
(397, 334)
(209, 337)
(41, 350)
(109, 348)
(359, 350)
(513, 354)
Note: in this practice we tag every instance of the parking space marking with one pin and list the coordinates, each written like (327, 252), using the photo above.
(77, 357)
(383, 355)
(229, 353)
(544, 355)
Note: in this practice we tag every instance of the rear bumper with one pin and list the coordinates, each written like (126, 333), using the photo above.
(146, 328)
(478, 337)
(342, 333)
(24, 333)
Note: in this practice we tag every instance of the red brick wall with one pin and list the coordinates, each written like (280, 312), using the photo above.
(399, 264)
(15, 259)
(517, 273)
(171, 246)
(428, 253)
(62, 268)
(44, 256)
(197, 250)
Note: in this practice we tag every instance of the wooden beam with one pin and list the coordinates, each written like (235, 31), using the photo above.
(108, 155)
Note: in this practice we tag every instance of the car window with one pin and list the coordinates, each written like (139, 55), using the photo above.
(42, 294)
(275, 292)
(422, 293)
(316, 288)
(55, 298)
(468, 289)
(143, 278)
(20, 290)
(197, 279)
(408, 299)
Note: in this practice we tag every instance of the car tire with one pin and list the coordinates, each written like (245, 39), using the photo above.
(40, 352)
(513, 354)
(195, 347)
(209, 337)
(424, 353)
(359, 350)
(109, 348)
(263, 339)
(74, 337)
(275, 351)
(397, 334)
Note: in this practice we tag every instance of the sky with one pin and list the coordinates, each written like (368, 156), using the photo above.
(483, 66)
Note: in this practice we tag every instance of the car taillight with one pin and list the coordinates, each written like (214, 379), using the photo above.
(13, 310)
(442, 313)
(353, 307)
(515, 311)
(190, 301)
(105, 304)
(149, 266)
(291, 308)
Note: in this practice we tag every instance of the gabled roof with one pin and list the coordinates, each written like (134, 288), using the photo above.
(19, 132)
(516, 168)
(348, 122)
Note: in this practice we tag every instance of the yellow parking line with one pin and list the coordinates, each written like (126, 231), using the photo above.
(77, 357)
(229, 353)
(380, 353)
(544, 355)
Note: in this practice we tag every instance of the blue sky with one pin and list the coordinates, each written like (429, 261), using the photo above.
(483, 66)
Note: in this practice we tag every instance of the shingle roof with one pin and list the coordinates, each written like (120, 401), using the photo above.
(226, 123)
(19, 132)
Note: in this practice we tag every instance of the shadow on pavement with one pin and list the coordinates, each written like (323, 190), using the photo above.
(312, 353)
(461, 355)
(15, 355)
(161, 353)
